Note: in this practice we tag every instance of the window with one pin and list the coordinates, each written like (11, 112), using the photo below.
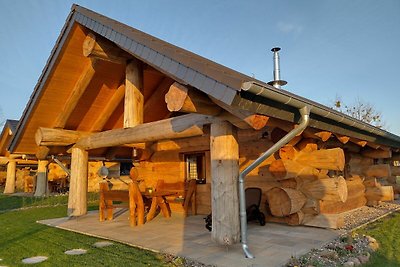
(125, 167)
(196, 167)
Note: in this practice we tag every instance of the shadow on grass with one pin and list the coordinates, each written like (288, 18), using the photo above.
(17, 202)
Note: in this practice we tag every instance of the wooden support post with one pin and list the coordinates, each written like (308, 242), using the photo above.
(10, 181)
(41, 179)
(77, 199)
(224, 151)
(134, 100)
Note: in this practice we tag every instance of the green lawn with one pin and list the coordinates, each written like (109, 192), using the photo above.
(387, 232)
(22, 237)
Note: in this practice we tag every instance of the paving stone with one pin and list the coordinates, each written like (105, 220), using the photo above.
(34, 260)
(102, 244)
(76, 251)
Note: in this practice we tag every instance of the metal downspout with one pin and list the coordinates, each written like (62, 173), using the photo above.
(305, 119)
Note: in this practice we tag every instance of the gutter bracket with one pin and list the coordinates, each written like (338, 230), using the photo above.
(305, 119)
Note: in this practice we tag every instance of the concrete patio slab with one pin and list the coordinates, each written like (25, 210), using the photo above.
(272, 244)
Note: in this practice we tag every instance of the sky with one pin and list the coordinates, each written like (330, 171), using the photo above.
(336, 48)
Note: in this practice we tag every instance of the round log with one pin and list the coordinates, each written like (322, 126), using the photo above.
(311, 207)
(288, 152)
(285, 169)
(382, 193)
(295, 218)
(98, 47)
(285, 201)
(307, 145)
(289, 183)
(380, 170)
(329, 159)
(334, 207)
(326, 189)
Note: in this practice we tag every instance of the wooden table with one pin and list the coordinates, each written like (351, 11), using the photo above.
(158, 200)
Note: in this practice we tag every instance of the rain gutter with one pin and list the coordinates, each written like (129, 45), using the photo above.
(323, 114)
(304, 121)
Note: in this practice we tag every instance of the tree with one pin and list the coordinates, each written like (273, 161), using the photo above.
(361, 110)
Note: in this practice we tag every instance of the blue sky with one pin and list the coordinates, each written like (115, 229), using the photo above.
(329, 48)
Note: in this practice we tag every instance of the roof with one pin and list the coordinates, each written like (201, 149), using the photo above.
(218, 81)
(12, 124)
(8, 131)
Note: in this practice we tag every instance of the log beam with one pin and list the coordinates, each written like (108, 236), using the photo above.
(181, 98)
(329, 159)
(316, 134)
(78, 90)
(109, 109)
(342, 138)
(57, 137)
(41, 179)
(11, 175)
(224, 151)
(379, 170)
(100, 48)
(77, 199)
(256, 121)
(395, 170)
(134, 99)
(177, 127)
(377, 153)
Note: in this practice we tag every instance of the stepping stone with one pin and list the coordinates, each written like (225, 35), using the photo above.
(76, 251)
(102, 244)
(34, 260)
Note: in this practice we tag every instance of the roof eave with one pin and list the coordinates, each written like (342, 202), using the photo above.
(271, 101)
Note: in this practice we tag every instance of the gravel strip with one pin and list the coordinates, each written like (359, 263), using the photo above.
(356, 218)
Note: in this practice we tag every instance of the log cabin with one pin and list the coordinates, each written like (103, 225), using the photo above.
(111, 95)
(16, 171)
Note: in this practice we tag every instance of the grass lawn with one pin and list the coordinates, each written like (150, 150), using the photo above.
(22, 237)
(387, 232)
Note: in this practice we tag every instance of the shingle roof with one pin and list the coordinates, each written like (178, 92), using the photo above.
(214, 79)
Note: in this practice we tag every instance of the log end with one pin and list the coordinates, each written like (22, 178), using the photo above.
(88, 44)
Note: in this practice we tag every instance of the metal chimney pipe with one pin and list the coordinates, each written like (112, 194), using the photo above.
(277, 82)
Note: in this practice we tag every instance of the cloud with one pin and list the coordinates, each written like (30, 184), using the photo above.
(290, 28)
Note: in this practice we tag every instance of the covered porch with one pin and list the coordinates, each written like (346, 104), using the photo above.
(272, 244)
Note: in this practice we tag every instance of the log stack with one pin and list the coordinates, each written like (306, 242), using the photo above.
(304, 183)
(310, 185)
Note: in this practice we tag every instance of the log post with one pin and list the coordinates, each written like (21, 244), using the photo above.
(77, 199)
(224, 151)
(10, 181)
(41, 179)
(134, 99)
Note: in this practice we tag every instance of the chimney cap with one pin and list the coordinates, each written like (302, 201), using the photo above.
(275, 49)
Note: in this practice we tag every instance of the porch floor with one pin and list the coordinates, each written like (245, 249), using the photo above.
(272, 244)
